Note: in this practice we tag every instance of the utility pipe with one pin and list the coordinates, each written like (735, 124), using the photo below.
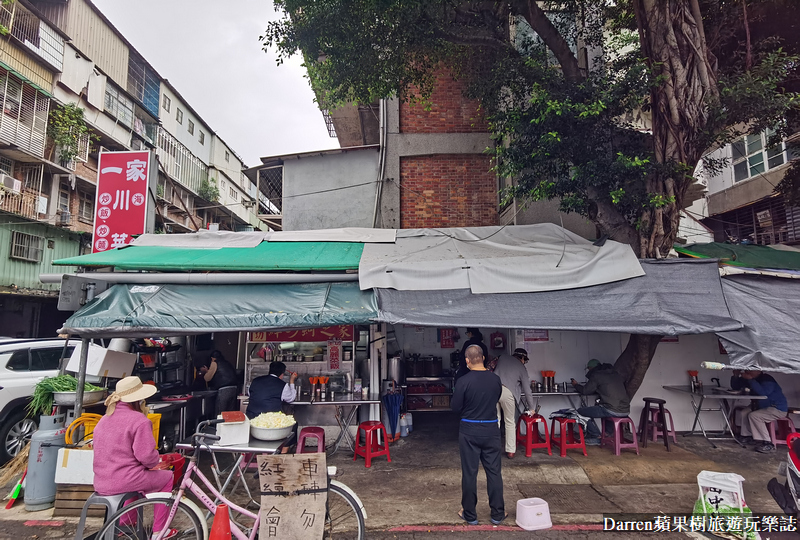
(81, 377)
(202, 279)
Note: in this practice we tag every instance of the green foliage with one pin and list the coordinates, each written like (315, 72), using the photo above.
(209, 190)
(585, 140)
(66, 127)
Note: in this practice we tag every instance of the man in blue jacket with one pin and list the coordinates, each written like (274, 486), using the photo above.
(269, 392)
(755, 424)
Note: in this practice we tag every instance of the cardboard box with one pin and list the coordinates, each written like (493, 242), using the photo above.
(103, 362)
(75, 466)
(440, 401)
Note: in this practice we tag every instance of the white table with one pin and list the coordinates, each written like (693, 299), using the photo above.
(576, 399)
(722, 396)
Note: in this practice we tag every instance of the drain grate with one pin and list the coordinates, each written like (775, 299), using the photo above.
(570, 499)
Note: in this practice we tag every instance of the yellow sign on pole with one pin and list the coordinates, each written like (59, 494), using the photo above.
(294, 490)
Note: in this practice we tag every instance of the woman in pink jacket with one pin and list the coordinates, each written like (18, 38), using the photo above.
(125, 450)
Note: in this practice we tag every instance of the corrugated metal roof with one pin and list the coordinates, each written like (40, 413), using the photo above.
(265, 257)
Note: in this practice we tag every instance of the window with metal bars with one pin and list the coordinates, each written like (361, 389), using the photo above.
(25, 110)
(270, 183)
(119, 105)
(26, 247)
(6, 165)
(63, 197)
(765, 222)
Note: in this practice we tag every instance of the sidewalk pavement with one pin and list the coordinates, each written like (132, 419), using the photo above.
(417, 495)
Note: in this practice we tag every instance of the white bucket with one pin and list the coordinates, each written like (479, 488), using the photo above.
(533, 514)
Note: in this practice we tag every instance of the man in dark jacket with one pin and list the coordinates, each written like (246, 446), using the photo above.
(613, 400)
(219, 373)
(475, 399)
(474, 338)
(268, 392)
(755, 424)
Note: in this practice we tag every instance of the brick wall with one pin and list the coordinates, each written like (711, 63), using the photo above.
(450, 111)
(447, 190)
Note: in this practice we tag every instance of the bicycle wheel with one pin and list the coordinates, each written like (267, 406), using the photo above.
(343, 517)
(135, 521)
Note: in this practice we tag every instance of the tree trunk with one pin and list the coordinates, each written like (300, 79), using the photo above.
(632, 364)
(673, 43)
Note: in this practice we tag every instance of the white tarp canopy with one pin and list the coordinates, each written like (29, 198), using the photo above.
(501, 259)
(204, 239)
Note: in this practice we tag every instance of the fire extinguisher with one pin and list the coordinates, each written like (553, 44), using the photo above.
(498, 340)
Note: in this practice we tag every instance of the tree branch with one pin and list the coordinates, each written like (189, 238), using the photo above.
(553, 40)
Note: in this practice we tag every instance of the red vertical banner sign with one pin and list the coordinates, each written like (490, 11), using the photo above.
(121, 202)
(334, 353)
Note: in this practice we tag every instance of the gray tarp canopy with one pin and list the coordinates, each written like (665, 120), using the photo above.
(676, 296)
(167, 310)
(768, 307)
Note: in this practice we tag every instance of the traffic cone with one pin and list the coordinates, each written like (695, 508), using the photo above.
(221, 528)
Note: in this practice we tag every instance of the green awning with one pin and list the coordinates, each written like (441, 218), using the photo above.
(744, 255)
(267, 256)
(168, 310)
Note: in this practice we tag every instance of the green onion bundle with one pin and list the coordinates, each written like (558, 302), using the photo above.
(42, 402)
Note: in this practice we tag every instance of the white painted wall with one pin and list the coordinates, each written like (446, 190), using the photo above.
(724, 179)
(180, 131)
(568, 352)
(318, 194)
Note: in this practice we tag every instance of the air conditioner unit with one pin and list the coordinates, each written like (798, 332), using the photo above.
(64, 218)
(10, 183)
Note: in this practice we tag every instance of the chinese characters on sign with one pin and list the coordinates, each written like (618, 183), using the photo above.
(294, 490)
(334, 353)
(344, 333)
(121, 209)
(447, 338)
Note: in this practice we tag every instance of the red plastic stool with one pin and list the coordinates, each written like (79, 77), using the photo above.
(656, 433)
(566, 437)
(530, 439)
(618, 439)
(371, 448)
(785, 426)
(310, 432)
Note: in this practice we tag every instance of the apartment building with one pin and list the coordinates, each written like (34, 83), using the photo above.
(741, 205)
(57, 54)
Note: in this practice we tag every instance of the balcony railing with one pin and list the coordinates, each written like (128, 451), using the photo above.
(32, 32)
(179, 162)
(23, 121)
(26, 203)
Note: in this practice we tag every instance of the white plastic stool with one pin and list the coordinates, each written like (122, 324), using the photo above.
(112, 504)
(533, 514)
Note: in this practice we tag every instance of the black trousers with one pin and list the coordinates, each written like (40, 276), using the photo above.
(480, 443)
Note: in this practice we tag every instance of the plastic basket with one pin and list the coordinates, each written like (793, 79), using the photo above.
(155, 419)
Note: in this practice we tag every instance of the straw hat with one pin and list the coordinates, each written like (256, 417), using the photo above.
(131, 390)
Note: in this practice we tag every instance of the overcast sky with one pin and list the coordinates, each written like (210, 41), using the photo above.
(209, 50)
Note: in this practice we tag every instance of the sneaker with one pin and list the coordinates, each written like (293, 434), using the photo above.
(746, 440)
(592, 441)
(171, 533)
(765, 448)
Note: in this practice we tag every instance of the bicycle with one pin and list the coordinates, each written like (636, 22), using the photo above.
(344, 516)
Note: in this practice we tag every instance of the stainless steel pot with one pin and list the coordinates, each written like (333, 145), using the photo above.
(397, 369)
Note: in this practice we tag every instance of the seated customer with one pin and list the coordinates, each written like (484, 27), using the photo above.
(613, 399)
(125, 450)
(755, 424)
(268, 392)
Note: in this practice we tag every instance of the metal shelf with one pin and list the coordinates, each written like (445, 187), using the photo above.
(428, 379)
(432, 394)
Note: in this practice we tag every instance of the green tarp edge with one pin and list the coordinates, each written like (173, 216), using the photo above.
(267, 256)
(165, 310)
(746, 256)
